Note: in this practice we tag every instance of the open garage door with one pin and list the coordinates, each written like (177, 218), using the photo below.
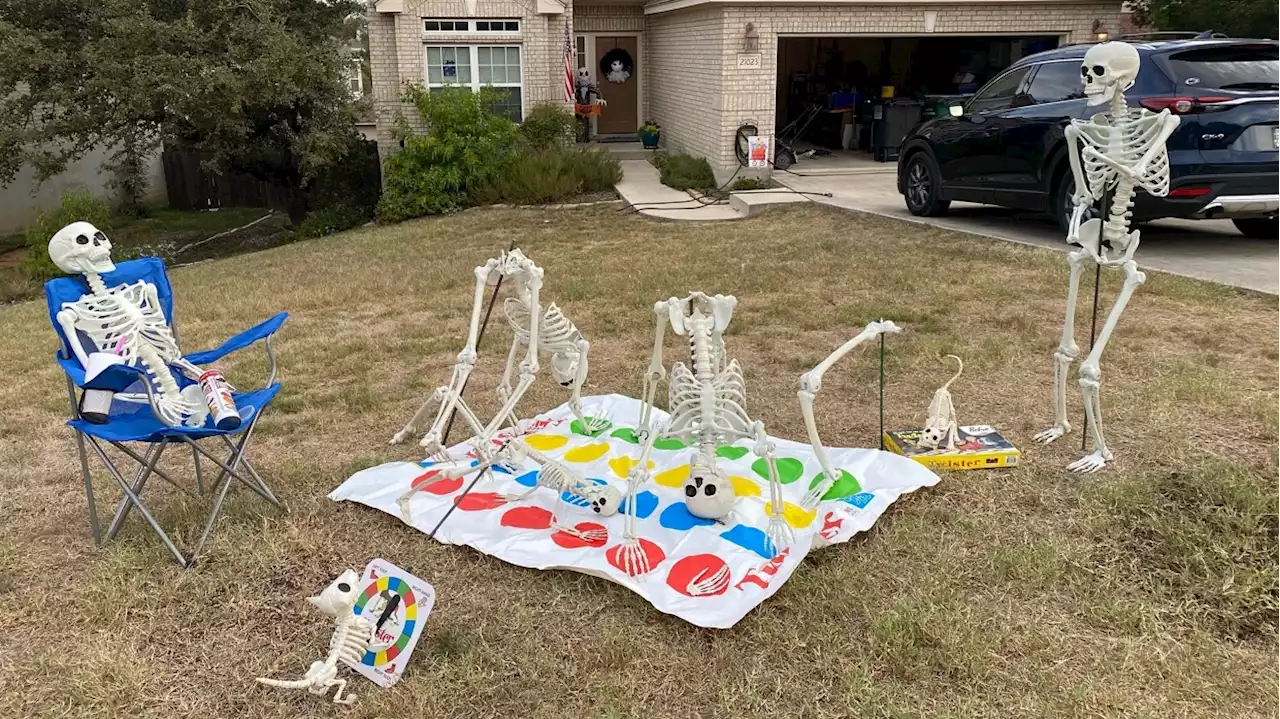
(848, 98)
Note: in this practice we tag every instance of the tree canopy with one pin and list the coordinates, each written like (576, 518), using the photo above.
(1238, 18)
(256, 86)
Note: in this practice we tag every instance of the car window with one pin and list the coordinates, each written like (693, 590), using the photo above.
(1227, 68)
(1056, 81)
(998, 94)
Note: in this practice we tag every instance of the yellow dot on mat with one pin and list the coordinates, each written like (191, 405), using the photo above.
(621, 466)
(587, 453)
(744, 487)
(674, 477)
(544, 442)
(793, 514)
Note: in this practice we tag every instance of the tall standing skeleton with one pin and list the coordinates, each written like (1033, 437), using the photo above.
(707, 407)
(1122, 149)
(129, 316)
(533, 328)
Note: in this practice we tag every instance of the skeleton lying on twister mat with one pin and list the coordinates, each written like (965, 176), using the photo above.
(707, 557)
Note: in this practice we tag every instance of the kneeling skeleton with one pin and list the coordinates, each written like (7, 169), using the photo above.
(1125, 149)
(535, 328)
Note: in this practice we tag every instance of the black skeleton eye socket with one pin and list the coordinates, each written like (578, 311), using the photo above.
(344, 587)
(690, 490)
(1099, 70)
(98, 237)
(710, 489)
(82, 240)
(1084, 71)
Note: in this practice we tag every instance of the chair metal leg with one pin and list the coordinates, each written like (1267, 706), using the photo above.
(238, 451)
(142, 509)
(195, 458)
(213, 517)
(154, 470)
(139, 481)
(88, 490)
(230, 469)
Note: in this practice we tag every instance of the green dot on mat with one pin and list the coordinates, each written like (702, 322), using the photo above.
(789, 469)
(729, 452)
(846, 486)
(669, 443)
(576, 427)
(626, 434)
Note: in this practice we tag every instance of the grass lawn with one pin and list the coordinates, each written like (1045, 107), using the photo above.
(1146, 590)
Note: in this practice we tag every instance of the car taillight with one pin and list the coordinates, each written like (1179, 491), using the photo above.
(1182, 105)
(1189, 192)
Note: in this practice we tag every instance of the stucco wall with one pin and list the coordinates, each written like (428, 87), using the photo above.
(22, 200)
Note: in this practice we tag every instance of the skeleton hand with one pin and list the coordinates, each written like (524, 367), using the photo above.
(779, 532)
(708, 582)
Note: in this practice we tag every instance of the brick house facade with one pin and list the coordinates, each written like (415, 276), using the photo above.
(686, 52)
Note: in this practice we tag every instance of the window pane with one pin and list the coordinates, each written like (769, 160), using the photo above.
(999, 94)
(513, 26)
(486, 74)
(432, 25)
(509, 104)
(1056, 81)
(482, 25)
(484, 56)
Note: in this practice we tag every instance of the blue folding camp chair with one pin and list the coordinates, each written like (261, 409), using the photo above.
(135, 422)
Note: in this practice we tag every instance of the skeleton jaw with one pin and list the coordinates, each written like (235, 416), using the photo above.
(1099, 94)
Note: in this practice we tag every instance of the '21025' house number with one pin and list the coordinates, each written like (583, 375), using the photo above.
(749, 59)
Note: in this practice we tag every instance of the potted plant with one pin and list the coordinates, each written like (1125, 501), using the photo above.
(649, 134)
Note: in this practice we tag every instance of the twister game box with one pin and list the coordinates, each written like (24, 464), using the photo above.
(977, 447)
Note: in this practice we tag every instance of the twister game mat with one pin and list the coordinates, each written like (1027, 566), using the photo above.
(707, 573)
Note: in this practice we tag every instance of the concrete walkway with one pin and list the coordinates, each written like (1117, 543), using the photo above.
(1204, 249)
(642, 189)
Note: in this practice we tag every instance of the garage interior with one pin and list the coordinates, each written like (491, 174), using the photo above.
(847, 101)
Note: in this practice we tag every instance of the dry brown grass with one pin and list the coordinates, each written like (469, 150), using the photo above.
(1147, 590)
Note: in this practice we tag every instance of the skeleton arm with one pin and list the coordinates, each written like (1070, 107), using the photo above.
(1084, 193)
(810, 385)
(67, 320)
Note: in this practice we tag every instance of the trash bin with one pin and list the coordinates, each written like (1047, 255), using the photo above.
(890, 122)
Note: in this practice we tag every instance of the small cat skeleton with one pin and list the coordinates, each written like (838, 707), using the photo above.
(352, 636)
(941, 423)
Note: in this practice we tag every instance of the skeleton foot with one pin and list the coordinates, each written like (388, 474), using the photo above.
(589, 535)
(1089, 463)
(403, 502)
(1052, 433)
(399, 437)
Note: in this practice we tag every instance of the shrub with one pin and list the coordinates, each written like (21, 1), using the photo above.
(466, 145)
(331, 220)
(684, 172)
(549, 176)
(748, 183)
(548, 126)
(76, 205)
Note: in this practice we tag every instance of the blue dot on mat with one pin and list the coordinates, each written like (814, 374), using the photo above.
(861, 499)
(646, 502)
(750, 538)
(577, 501)
(500, 469)
(528, 479)
(677, 517)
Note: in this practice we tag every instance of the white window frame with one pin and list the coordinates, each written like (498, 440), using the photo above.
(474, 60)
(471, 26)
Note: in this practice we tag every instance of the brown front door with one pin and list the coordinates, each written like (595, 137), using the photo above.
(615, 71)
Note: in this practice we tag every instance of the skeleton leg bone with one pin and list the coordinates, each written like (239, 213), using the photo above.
(631, 554)
(1091, 375)
(779, 532)
(1066, 353)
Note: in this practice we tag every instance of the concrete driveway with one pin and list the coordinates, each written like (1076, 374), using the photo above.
(1209, 250)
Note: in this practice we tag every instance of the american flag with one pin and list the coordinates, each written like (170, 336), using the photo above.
(568, 65)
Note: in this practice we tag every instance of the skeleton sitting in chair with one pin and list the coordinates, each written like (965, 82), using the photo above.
(535, 328)
(1122, 149)
(128, 317)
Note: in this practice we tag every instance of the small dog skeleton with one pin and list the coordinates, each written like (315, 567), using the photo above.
(941, 422)
(1125, 149)
(352, 637)
(810, 385)
(708, 408)
(127, 315)
(535, 329)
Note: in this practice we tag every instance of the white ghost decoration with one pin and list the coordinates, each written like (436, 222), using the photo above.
(617, 72)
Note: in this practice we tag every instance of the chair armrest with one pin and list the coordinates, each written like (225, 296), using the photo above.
(240, 341)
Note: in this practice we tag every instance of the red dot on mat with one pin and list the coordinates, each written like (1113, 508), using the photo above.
(698, 568)
(528, 518)
(437, 483)
(477, 501)
(569, 541)
(652, 552)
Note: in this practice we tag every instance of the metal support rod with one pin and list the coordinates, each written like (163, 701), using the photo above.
(465, 492)
(881, 390)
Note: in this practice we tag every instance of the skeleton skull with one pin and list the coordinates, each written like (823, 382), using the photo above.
(338, 598)
(708, 492)
(584, 77)
(564, 367)
(1109, 68)
(80, 248)
(931, 437)
(607, 502)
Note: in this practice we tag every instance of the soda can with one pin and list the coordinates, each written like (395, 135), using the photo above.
(217, 394)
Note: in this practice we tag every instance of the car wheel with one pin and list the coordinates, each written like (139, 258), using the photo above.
(1062, 205)
(1259, 228)
(921, 188)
